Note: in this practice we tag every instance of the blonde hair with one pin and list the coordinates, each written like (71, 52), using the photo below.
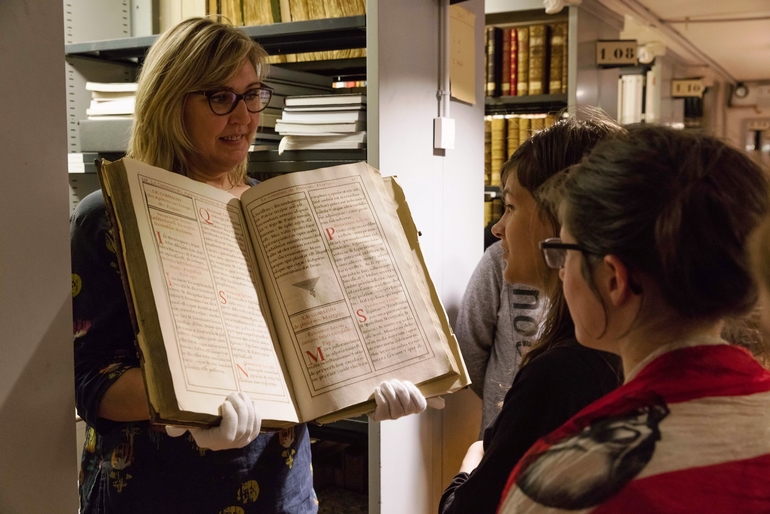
(197, 54)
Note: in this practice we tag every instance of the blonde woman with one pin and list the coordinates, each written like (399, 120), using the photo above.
(198, 106)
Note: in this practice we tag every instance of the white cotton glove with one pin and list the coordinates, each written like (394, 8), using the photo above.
(396, 399)
(240, 425)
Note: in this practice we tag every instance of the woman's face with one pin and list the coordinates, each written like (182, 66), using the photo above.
(585, 308)
(521, 230)
(221, 142)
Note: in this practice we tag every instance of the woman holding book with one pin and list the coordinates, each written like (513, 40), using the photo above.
(198, 105)
(651, 256)
(557, 377)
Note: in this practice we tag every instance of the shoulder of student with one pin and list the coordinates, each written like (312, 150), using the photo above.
(90, 209)
(571, 364)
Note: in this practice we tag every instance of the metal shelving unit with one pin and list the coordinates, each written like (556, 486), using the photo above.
(526, 104)
(276, 39)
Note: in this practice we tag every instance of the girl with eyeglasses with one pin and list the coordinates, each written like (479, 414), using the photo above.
(652, 260)
(198, 104)
(557, 377)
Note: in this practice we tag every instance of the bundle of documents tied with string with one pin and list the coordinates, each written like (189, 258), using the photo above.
(306, 293)
(323, 122)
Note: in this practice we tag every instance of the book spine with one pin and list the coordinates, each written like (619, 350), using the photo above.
(523, 129)
(537, 124)
(499, 126)
(514, 59)
(498, 61)
(257, 12)
(488, 151)
(537, 60)
(522, 70)
(275, 10)
(505, 86)
(565, 61)
(513, 135)
(558, 34)
(490, 53)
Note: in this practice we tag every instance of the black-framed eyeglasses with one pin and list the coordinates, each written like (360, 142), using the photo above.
(223, 102)
(555, 252)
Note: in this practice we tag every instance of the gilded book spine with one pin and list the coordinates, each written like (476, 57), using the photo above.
(513, 61)
(505, 86)
(522, 70)
(558, 35)
(538, 57)
(498, 148)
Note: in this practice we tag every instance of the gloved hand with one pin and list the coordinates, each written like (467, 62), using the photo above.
(396, 399)
(240, 425)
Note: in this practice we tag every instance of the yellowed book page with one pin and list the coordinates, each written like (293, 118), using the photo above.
(231, 10)
(333, 8)
(401, 215)
(257, 12)
(347, 306)
(411, 245)
(210, 305)
(299, 10)
(349, 7)
(316, 9)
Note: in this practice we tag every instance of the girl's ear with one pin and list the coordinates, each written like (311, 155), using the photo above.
(616, 281)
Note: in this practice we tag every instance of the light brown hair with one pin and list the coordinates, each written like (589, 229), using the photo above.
(197, 54)
(539, 158)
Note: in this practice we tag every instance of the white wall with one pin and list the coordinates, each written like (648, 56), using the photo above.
(445, 194)
(37, 429)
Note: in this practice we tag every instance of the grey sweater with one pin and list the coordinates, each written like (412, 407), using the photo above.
(496, 322)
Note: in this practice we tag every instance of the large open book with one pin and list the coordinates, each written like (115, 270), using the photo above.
(306, 293)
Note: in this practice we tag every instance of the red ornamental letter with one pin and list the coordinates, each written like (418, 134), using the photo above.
(160, 239)
(330, 233)
(316, 357)
(205, 216)
(222, 298)
(361, 315)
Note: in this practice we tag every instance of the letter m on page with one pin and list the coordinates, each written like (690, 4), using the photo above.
(314, 358)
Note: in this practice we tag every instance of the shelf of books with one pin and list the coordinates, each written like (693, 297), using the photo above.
(526, 86)
(318, 35)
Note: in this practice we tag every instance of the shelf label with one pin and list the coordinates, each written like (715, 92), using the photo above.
(759, 125)
(622, 52)
(683, 88)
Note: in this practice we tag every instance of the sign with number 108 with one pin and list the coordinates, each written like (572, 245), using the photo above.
(616, 53)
